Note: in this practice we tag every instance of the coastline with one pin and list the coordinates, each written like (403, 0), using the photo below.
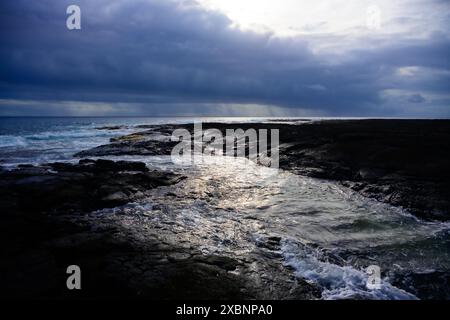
(400, 162)
(126, 258)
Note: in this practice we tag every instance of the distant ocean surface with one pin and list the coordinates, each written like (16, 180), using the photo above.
(25, 140)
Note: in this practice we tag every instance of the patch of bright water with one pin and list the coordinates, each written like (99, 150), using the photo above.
(329, 234)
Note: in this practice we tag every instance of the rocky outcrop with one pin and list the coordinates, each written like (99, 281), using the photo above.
(48, 223)
(401, 162)
(111, 128)
(83, 187)
(154, 141)
(130, 146)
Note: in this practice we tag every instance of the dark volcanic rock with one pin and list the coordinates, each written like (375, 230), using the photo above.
(131, 147)
(86, 186)
(42, 232)
(111, 128)
(138, 143)
(401, 162)
(122, 254)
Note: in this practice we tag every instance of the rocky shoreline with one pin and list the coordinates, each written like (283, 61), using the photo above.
(52, 213)
(52, 217)
(84, 187)
(400, 162)
(134, 262)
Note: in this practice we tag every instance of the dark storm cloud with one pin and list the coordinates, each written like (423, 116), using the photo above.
(416, 98)
(173, 52)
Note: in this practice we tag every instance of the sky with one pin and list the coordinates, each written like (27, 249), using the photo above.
(299, 58)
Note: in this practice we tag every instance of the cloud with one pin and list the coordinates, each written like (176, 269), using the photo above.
(143, 54)
(416, 98)
(80, 108)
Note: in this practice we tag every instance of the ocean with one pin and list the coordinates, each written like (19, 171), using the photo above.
(34, 140)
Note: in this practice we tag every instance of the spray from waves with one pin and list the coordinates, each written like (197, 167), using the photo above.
(26, 140)
(57, 145)
(338, 282)
(74, 133)
(12, 141)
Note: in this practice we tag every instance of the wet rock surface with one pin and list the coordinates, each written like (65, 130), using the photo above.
(130, 147)
(55, 215)
(151, 142)
(400, 162)
(83, 187)
(111, 128)
(60, 214)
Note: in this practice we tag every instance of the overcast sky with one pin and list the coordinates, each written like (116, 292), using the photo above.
(226, 58)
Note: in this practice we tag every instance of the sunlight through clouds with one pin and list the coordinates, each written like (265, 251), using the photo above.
(293, 17)
(323, 57)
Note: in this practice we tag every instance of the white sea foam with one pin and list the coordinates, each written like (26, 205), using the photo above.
(48, 146)
(338, 282)
(12, 141)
